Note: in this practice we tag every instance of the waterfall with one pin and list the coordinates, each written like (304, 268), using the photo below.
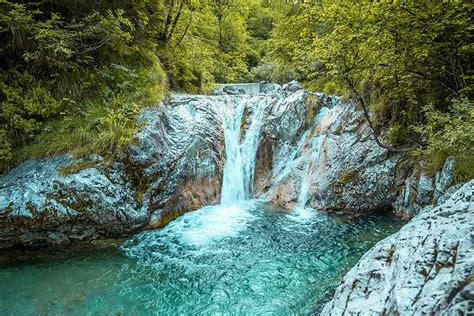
(308, 174)
(311, 153)
(239, 168)
(302, 161)
(233, 213)
(232, 190)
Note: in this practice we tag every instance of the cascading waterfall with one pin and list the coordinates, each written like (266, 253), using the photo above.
(239, 168)
(211, 261)
(308, 175)
(232, 190)
(303, 161)
(312, 153)
(233, 214)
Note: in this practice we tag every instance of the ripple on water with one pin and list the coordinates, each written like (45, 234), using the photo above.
(242, 259)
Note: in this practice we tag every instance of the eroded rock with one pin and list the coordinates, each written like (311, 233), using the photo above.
(420, 190)
(349, 173)
(309, 143)
(424, 269)
(175, 167)
(38, 206)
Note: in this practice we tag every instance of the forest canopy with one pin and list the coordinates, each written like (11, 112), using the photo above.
(75, 74)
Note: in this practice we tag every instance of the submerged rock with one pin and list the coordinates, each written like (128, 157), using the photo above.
(425, 269)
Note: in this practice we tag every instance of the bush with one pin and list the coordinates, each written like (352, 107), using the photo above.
(450, 134)
(72, 83)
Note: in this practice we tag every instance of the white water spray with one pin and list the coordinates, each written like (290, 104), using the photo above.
(232, 190)
(233, 214)
(239, 169)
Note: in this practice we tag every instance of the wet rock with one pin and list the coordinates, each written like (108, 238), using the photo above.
(349, 172)
(424, 269)
(233, 90)
(307, 140)
(176, 166)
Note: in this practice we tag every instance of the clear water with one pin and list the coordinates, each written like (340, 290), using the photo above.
(228, 260)
(240, 257)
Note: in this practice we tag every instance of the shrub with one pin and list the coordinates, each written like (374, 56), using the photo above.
(450, 134)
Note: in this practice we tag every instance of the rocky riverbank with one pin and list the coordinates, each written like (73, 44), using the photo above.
(314, 150)
(424, 269)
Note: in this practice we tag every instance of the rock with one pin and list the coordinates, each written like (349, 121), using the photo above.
(314, 150)
(292, 86)
(347, 171)
(233, 90)
(38, 206)
(176, 166)
(419, 190)
(424, 269)
(444, 178)
(244, 88)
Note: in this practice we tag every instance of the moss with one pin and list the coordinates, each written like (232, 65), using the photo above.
(139, 197)
(139, 179)
(313, 103)
(347, 176)
(75, 167)
(339, 130)
(7, 210)
(167, 217)
(73, 202)
(463, 170)
(391, 252)
(79, 205)
(33, 210)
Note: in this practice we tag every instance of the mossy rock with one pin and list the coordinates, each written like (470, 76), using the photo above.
(347, 176)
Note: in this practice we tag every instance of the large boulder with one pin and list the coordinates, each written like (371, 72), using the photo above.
(338, 163)
(40, 206)
(425, 269)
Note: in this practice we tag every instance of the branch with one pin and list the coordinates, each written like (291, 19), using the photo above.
(370, 123)
(175, 21)
(185, 31)
(167, 23)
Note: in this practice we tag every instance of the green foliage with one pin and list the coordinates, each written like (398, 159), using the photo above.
(394, 58)
(450, 134)
(76, 74)
(72, 83)
(275, 72)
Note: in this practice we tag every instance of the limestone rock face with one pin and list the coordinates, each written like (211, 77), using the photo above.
(39, 206)
(343, 167)
(424, 269)
(175, 166)
(314, 150)
(419, 190)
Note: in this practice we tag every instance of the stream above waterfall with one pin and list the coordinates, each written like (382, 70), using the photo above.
(251, 260)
